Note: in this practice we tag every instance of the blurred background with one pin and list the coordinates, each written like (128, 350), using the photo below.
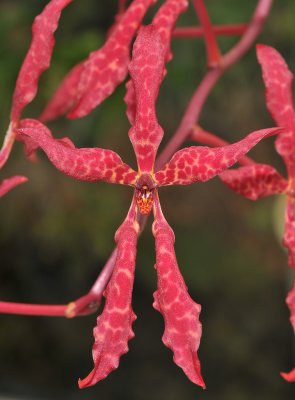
(57, 233)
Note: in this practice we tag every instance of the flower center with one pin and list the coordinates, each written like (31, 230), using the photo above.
(144, 190)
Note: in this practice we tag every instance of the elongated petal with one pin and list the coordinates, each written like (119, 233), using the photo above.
(183, 329)
(201, 163)
(65, 96)
(278, 83)
(290, 376)
(254, 181)
(289, 234)
(38, 57)
(86, 164)
(108, 66)
(164, 22)
(114, 325)
(10, 183)
(146, 70)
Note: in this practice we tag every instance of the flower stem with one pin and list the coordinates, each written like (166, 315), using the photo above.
(221, 30)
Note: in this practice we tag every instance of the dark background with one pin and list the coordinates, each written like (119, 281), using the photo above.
(56, 233)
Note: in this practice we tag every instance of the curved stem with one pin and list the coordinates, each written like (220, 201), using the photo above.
(32, 309)
(192, 113)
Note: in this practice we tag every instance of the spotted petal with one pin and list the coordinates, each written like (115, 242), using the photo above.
(65, 96)
(278, 83)
(290, 376)
(87, 164)
(254, 181)
(181, 314)
(201, 163)
(38, 57)
(164, 22)
(146, 70)
(114, 325)
(289, 234)
(107, 67)
(10, 183)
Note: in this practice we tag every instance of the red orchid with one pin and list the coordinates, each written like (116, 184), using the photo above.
(254, 180)
(36, 62)
(181, 315)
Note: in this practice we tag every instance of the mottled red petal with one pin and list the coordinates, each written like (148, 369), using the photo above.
(38, 57)
(114, 325)
(146, 70)
(183, 329)
(254, 181)
(65, 96)
(290, 376)
(201, 163)
(10, 183)
(289, 234)
(87, 164)
(164, 22)
(107, 67)
(278, 83)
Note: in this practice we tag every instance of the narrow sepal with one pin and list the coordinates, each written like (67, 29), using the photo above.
(254, 181)
(38, 57)
(278, 83)
(86, 164)
(65, 96)
(114, 325)
(107, 67)
(201, 163)
(10, 183)
(290, 376)
(183, 329)
(146, 70)
(289, 234)
(164, 22)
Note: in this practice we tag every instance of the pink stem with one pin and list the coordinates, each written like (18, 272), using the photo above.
(33, 309)
(213, 53)
(121, 6)
(192, 113)
(200, 135)
(221, 30)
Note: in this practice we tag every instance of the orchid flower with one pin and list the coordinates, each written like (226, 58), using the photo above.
(37, 60)
(197, 163)
(255, 180)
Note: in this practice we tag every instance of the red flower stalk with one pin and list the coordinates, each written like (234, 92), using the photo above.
(37, 60)
(181, 315)
(259, 180)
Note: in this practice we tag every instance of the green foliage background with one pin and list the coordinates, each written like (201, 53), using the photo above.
(57, 233)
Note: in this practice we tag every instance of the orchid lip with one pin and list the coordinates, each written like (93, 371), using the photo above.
(144, 193)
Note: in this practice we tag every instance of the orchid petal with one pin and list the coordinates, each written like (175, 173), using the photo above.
(181, 314)
(65, 96)
(114, 325)
(146, 70)
(38, 57)
(290, 376)
(10, 183)
(164, 22)
(278, 83)
(201, 163)
(254, 181)
(86, 164)
(107, 67)
(289, 235)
